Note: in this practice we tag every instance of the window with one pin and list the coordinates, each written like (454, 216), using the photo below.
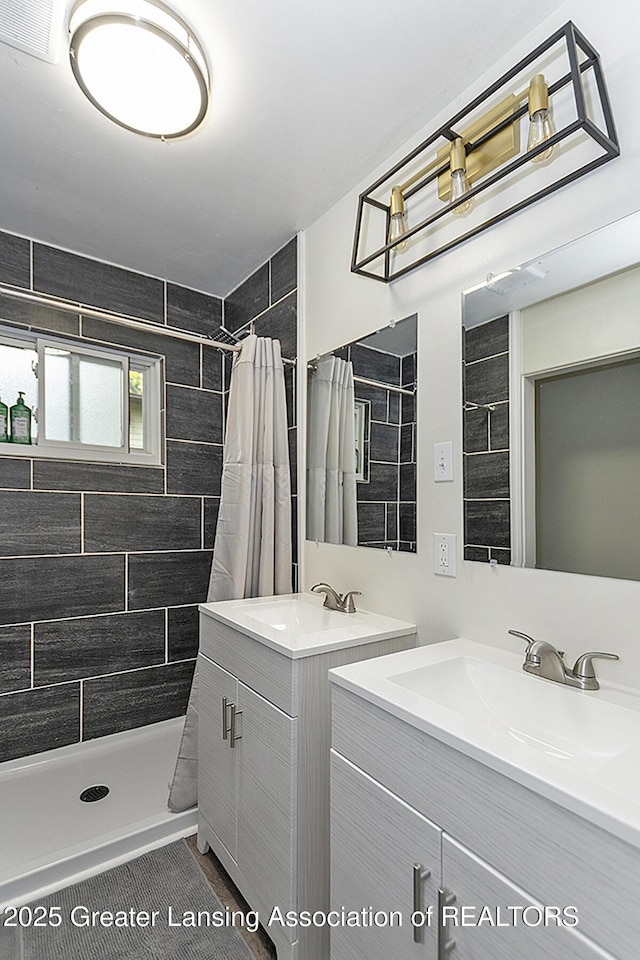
(86, 402)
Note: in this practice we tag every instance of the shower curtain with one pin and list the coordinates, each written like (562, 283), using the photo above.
(252, 549)
(331, 454)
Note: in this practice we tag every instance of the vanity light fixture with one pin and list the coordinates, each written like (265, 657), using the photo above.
(482, 153)
(140, 65)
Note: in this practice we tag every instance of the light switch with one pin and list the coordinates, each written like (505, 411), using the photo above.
(444, 554)
(443, 461)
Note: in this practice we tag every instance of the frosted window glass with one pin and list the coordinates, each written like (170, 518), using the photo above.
(57, 395)
(16, 373)
(100, 402)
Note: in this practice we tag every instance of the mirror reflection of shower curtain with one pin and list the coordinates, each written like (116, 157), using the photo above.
(252, 550)
(331, 454)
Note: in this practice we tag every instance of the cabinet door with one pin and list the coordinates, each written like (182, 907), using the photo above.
(375, 841)
(476, 886)
(216, 761)
(266, 802)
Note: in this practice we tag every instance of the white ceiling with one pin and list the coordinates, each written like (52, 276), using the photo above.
(308, 96)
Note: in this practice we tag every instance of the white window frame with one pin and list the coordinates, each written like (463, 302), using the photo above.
(149, 366)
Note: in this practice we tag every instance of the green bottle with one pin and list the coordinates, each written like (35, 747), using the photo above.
(20, 421)
(4, 423)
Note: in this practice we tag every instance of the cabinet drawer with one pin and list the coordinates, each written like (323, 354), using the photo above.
(269, 673)
(554, 855)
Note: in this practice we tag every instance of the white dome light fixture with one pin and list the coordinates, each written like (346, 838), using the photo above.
(140, 65)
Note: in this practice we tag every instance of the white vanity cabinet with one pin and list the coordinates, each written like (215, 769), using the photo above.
(263, 756)
(401, 796)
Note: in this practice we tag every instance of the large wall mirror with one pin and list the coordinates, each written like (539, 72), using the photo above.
(361, 441)
(551, 389)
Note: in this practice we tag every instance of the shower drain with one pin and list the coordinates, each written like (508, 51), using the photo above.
(91, 794)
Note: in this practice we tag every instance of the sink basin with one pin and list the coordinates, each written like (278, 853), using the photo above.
(297, 624)
(555, 720)
(580, 749)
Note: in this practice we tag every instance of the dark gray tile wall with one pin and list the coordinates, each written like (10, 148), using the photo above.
(266, 304)
(102, 566)
(387, 503)
(487, 532)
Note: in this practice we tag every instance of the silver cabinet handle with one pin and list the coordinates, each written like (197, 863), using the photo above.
(232, 726)
(420, 874)
(225, 728)
(445, 946)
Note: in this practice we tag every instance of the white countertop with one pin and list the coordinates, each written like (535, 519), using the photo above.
(298, 625)
(547, 736)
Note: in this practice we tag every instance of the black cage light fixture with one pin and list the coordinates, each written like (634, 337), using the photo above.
(484, 164)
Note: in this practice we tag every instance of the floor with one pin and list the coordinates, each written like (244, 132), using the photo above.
(229, 895)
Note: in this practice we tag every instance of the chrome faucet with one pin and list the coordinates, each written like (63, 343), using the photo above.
(543, 660)
(335, 601)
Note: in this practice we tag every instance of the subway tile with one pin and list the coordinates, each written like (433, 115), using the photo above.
(15, 657)
(248, 300)
(212, 363)
(371, 522)
(375, 365)
(499, 427)
(182, 359)
(96, 477)
(408, 522)
(408, 408)
(15, 260)
(168, 579)
(476, 431)
(97, 284)
(384, 442)
(480, 554)
(501, 556)
(392, 520)
(34, 523)
(36, 720)
(406, 443)
(487, 381)
(284, 270)
(211, 509)
(486, 476)
(487, 523)
(393, 407)
(116, 523)
(194, 468)
(47, 588)
(183, 632)
(194, 311)
(194, 415)
(383, 482)
(407, 483)
(280, 323)
(408, 368)
(128, 700)
(91, 646)
(15, 473)
(486, 340)
(30, 314)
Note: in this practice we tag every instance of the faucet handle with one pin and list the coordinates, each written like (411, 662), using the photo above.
(523, 636)
(583, 667)
(348, 605)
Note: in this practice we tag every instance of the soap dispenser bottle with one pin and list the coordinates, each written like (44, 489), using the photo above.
(20, 421)
(4, 423)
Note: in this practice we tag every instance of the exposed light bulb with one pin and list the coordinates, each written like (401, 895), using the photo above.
(541, 126)
(398, 220)
(460, 185)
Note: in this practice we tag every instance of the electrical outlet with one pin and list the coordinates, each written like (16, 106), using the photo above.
(444, 554)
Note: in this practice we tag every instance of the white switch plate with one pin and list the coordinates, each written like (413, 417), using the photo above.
(443, 461)
(444, 554)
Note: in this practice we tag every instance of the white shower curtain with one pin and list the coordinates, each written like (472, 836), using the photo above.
(252, 549)
(331, 454)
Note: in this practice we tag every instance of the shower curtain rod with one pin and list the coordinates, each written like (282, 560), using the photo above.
(124, 321)
(407, 391)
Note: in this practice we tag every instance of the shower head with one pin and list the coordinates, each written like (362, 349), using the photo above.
(225, 336)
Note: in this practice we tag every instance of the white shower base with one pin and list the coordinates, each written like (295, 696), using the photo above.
(49, 838)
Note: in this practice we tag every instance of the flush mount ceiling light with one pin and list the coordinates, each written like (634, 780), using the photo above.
(484, 165)
(140, 65)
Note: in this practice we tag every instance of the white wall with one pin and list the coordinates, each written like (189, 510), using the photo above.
(578, 613)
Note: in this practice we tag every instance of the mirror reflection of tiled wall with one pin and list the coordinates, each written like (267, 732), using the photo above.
(487, 522)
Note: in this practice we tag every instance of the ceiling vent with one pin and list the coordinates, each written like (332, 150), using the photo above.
(35, 26)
